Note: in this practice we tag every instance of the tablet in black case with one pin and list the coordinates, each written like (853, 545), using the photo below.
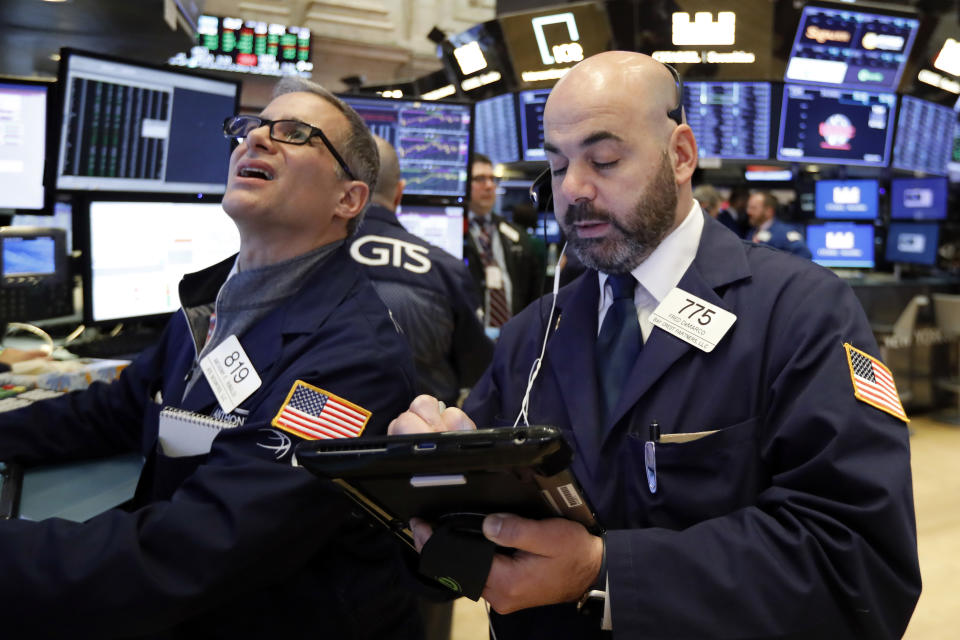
(522, 470)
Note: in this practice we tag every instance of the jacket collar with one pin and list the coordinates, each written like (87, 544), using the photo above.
(325, 287)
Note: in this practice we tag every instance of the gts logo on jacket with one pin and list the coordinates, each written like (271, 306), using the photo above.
(381, 251)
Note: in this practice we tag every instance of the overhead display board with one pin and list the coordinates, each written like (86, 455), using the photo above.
(545, 44)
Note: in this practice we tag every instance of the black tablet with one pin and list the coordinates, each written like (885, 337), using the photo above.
(435, 476)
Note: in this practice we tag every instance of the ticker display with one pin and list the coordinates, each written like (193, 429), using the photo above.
(730, 120)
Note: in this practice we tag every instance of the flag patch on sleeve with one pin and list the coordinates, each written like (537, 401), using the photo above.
(314, 414)
(873, 383)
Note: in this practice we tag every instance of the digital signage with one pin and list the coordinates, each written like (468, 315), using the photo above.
(913, 243)
(847, 199)
(841, 244)
(918, 198)
(839, 126)
(545, 44)
(924, 139)
(730, 120)
(851, 48)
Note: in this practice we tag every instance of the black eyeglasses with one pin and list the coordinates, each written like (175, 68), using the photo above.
(285, 131)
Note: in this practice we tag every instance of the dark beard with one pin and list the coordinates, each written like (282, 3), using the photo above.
(627, 244)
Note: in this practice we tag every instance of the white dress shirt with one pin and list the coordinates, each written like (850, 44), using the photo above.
(660, 272)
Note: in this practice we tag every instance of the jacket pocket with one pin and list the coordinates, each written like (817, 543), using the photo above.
(704, 475)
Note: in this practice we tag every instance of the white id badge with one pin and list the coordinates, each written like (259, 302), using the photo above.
(230, 374)
(494, 277)
(692, 319)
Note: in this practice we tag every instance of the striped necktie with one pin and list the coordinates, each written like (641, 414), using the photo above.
(499, 310)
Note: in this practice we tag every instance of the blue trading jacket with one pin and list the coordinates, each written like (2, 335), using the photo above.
(433, 299)
(782, 236)
(236, 543)
(794, 520)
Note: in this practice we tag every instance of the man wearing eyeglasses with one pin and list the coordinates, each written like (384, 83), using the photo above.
(499, 254)
(287, 341)
(746, 454)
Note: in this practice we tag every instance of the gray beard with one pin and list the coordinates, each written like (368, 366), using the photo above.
(627, 244)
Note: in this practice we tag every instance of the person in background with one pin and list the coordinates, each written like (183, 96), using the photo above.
(708, 198)
(746, 454)
(502, 261)
(429, 292)
(285, 342)
(766, 229)
(734, 217)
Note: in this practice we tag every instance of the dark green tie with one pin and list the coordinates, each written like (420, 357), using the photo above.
(618, 343)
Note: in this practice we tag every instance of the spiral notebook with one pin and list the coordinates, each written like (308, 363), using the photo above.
(185, 433)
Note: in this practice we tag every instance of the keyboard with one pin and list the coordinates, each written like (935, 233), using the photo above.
(124, 346)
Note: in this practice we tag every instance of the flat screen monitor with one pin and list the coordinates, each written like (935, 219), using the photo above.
(128, 127)
(439, 225)
(511, 194)
(844, 46)
(730, 120)
(841, 244)
(432, 139)
(918, 198)
(530, 103)
(835, 126)
(847, 199)
(62, 218)
(548, 228)
(23, 142)
(139, 251)
(495, 129)
(924, 139)
(914, 243)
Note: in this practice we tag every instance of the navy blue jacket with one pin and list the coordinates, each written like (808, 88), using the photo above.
(432, 298)
(237, 543)
(794, 520)
(782, 236)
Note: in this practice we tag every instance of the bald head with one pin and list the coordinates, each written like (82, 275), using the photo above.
(636, 86)
(389, 184)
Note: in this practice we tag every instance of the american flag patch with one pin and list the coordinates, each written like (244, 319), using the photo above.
(314, 414)
(873, 383)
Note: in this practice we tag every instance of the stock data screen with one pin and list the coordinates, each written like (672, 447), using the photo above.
(845, 47)
(130, 127)
(730, 120)
(839, 126)
(531, 104)
(495, 129)
(432, 140)
(924, 138)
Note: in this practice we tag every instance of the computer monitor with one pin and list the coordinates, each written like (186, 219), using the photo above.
(135, 254)
(23, 142)
(432, 139)
(924, 139)
(62, 218)
(439, 225)
(845, 46)
(495, 129)
(730, 120)
(548, 228)
(132, 127)
(914, 243)
(530, 104)
(918, 198)
(847, 199)
(841, 244)
(835, 126)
